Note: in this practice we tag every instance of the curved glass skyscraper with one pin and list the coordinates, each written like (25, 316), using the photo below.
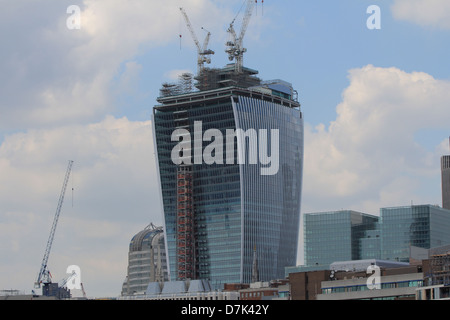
(230, 159)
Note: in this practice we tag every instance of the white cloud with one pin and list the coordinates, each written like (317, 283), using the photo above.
(58, 87)
(368, 157)
(53, 75)
(114, 196)
(434, 13)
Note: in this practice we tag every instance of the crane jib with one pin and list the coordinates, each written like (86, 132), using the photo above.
(44, 274)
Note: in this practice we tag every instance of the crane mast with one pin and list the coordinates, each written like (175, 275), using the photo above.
(235, 48)
(44, 274)
(203, 53)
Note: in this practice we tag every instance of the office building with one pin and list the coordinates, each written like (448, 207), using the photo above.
(146, 261)
(357, 280)
(349, 235)
(445, 170)
(337, 236)
(422, 226)
(393, 283)
(230, 159)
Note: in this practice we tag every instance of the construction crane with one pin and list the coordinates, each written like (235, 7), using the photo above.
(83, 291)
(203, 52)
(66, 280)
(235, 48)
(44, 275)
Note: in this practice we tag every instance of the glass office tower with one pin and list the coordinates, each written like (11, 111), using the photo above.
(338, 236)
(236, 204)
(445, 170)
(348, 235)
(423, 226)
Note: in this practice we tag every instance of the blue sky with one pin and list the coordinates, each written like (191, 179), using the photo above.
(375, 104)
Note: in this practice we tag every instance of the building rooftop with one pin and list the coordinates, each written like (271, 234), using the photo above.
(362, 265)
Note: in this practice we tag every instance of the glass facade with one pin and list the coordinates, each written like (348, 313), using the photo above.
(271, 203)
(236, 207)
(445, 169)
(347, 235)
(422, 226)
(337, 236)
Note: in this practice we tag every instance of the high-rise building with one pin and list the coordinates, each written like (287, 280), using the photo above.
(445, 170)
(230, 159)
(146, 261)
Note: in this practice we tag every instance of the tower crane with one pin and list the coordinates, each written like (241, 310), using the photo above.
(203, 52)
(44, 274)
(235, 48)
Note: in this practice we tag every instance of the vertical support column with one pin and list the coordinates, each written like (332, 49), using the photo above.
(186, 258)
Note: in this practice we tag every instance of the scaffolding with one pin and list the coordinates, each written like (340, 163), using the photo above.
(186, 257)
(211, 79)
(440, 268)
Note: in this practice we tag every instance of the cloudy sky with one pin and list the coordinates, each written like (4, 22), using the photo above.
(376, 106)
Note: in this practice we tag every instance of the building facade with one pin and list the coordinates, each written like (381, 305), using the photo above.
(422, 226)
(226, 194)
(146, 261)
(348, 235)
(336, 236)
(393, 284)
(445, 170)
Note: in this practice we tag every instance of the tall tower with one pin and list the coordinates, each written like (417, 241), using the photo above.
(239, 141)
(445, 170)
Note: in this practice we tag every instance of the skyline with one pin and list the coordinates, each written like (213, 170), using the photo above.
(374, 104)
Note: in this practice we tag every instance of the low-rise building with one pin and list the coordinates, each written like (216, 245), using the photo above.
(355, 280)
(273, 290)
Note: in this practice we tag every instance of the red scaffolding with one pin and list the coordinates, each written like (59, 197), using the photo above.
(186, 265)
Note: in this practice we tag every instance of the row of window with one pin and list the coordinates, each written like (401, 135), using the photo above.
(389, 285)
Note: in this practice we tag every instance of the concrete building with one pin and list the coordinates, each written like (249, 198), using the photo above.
(438, 292)
(272, 290)
(394, 284)
(146, 261)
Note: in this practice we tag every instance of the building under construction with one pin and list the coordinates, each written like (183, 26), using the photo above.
(211, 79)
(218, 214)
(437, 269)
